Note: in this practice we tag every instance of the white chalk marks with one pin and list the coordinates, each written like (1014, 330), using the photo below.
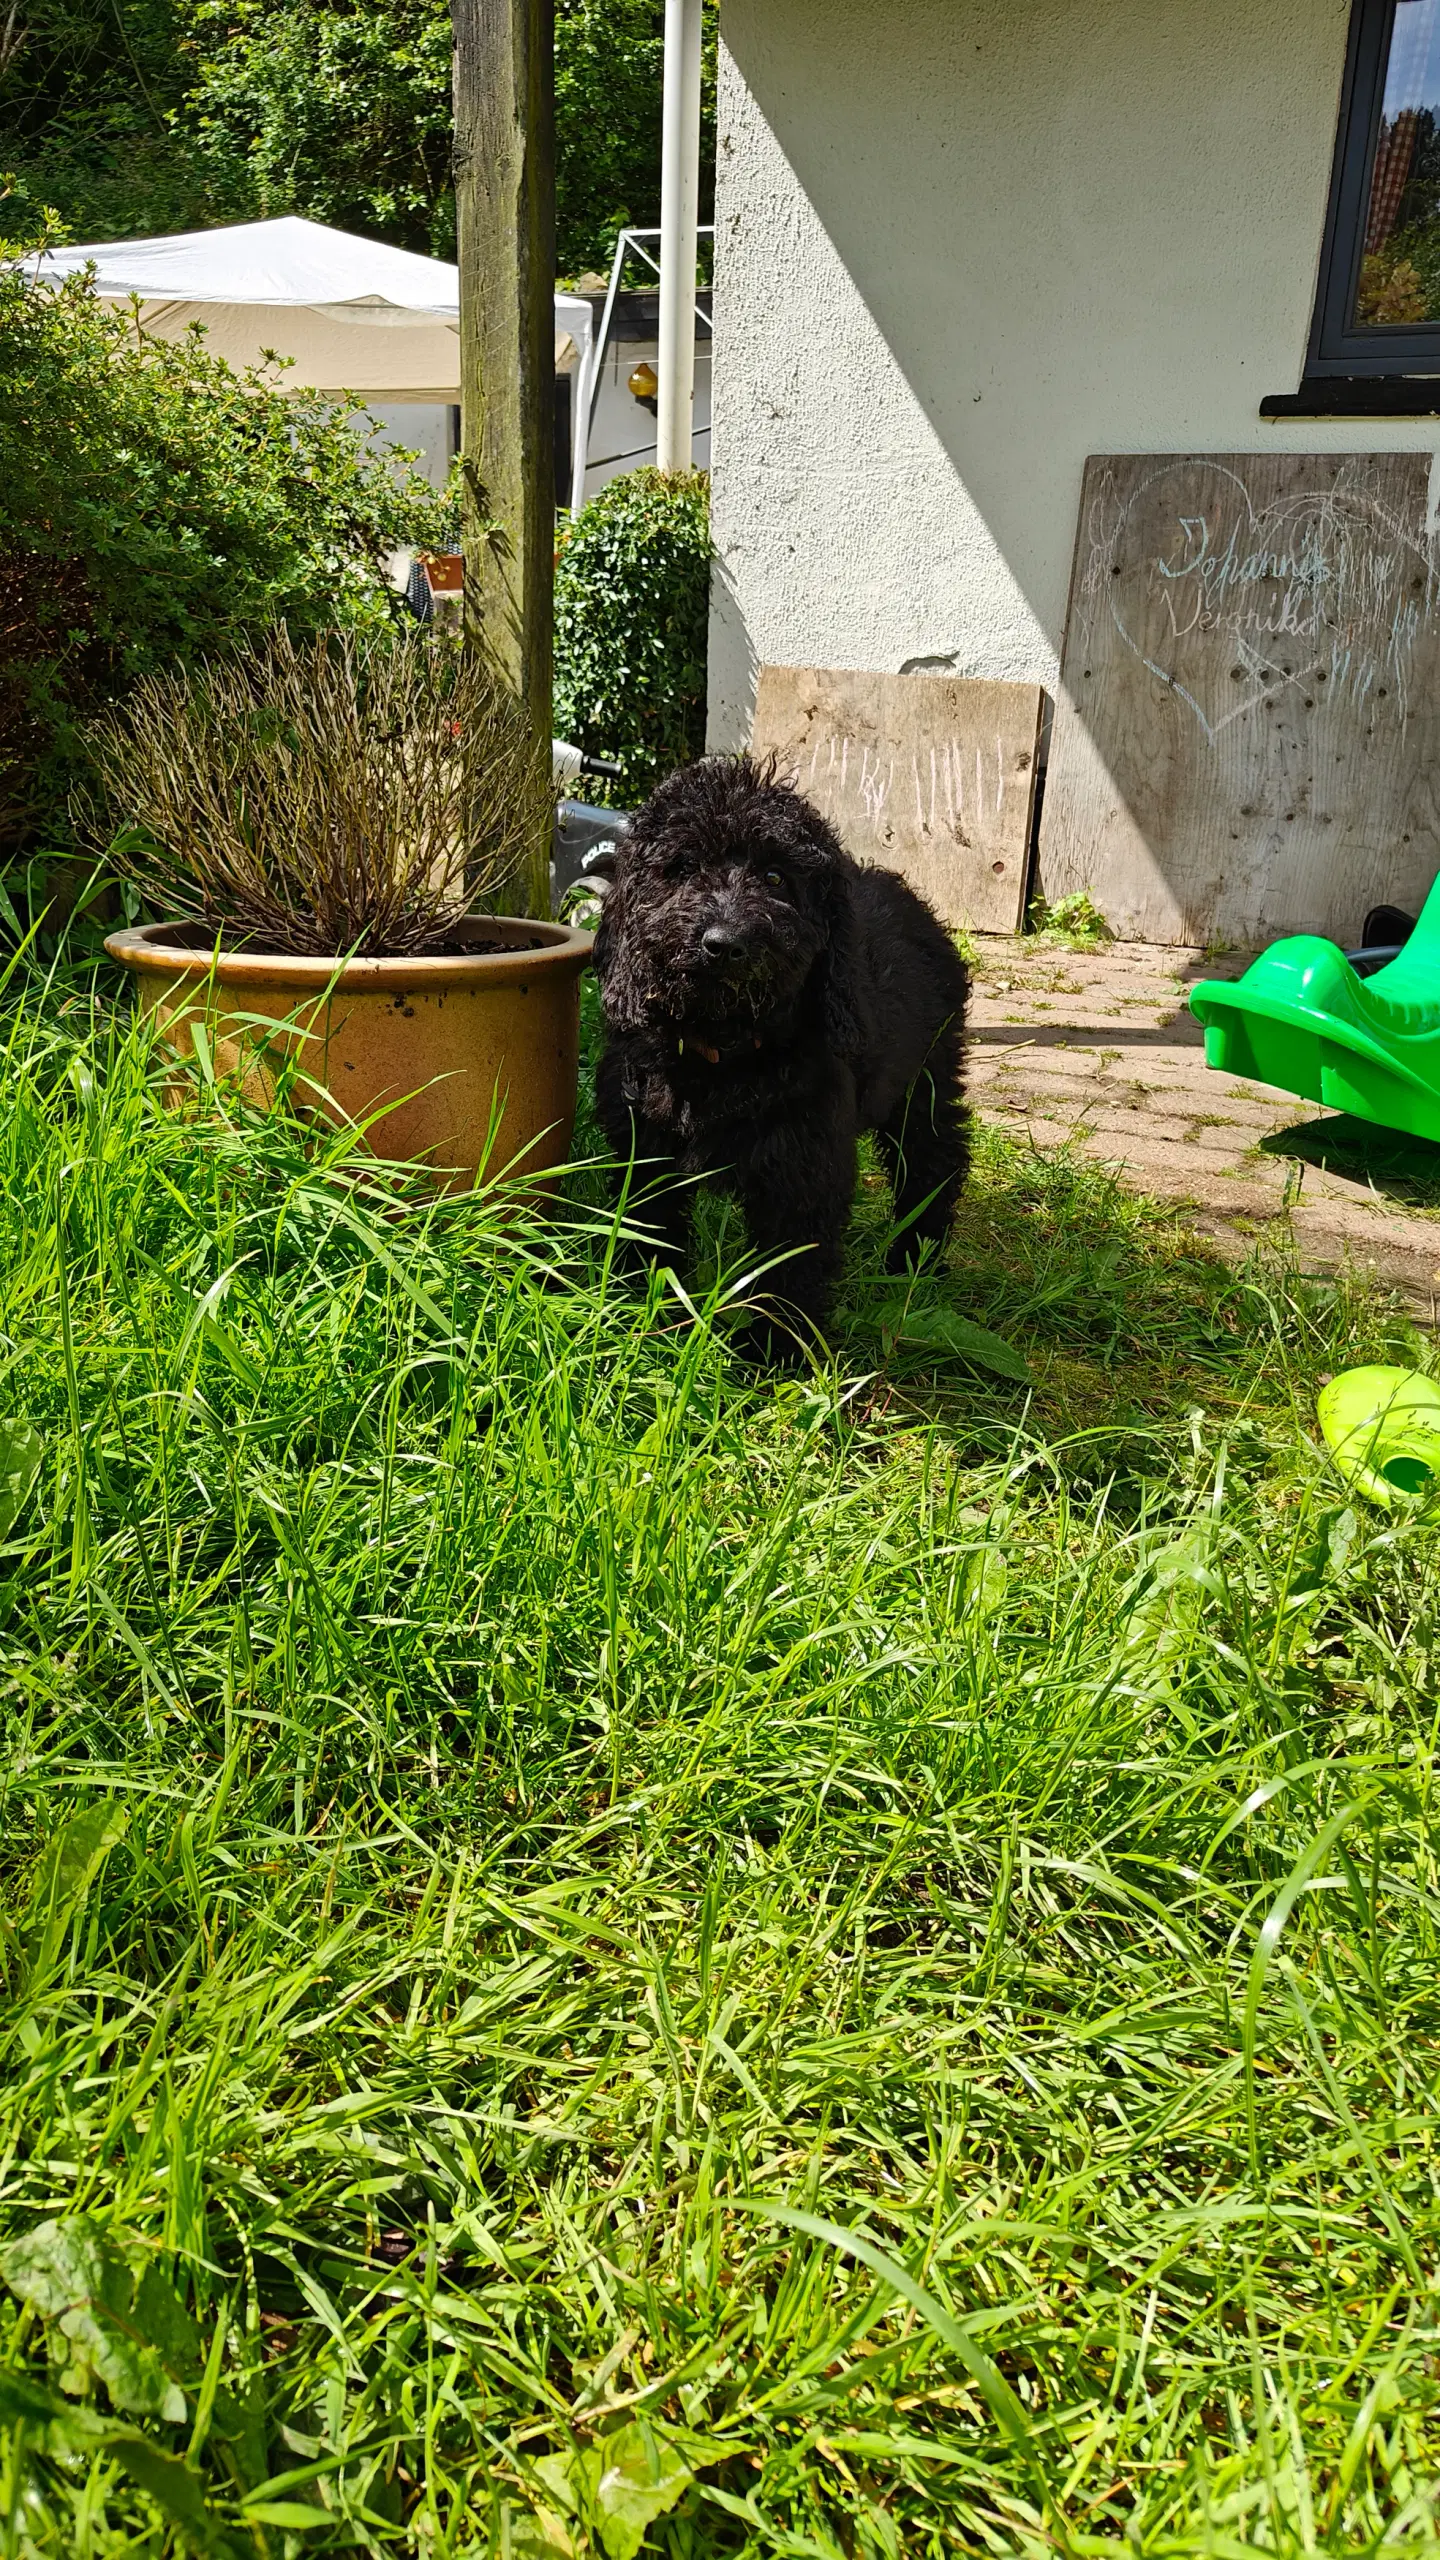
(932, 775)
(859, 792)
(1245, 736)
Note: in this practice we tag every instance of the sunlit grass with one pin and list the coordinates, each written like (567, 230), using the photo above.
(839, 1967)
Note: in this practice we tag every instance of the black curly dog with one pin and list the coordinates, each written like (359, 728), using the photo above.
(766, 999)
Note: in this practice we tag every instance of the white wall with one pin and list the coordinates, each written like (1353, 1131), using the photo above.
(422, 427)
(960, 244)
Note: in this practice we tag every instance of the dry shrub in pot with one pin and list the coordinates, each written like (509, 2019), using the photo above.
(343, 794)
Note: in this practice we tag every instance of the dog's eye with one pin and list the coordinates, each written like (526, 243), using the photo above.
(774, 879)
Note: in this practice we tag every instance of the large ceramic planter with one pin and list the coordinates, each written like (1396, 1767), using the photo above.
(471, 1055)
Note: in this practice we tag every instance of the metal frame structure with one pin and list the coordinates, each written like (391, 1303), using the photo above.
(629, 243)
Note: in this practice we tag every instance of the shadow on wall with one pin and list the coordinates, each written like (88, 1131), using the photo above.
(969, 246)
(733, 675)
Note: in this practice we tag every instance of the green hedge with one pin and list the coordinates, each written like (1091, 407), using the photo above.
(632, 594)
(155, 505)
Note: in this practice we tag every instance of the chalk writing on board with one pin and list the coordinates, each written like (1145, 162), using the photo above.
(1317, 586)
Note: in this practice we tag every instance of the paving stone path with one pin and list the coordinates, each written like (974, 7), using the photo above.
(1100, 1047)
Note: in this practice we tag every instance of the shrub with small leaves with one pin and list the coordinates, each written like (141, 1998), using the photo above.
(632, 599)
(156, 506)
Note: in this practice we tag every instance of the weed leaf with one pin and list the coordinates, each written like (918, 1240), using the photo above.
(21, 1450)
(73, 2274)
(59, 2427)
(941, 1329)
(639, 2478)
(175, 2488)
(57, 2424)
(617, 2486)
(71, 1860)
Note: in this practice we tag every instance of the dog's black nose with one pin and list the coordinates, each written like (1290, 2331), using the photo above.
(721, 942)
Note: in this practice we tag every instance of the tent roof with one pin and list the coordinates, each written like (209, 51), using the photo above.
(287, 262)
(299, 288)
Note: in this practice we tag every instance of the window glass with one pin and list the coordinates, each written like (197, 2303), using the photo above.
(1399, 279)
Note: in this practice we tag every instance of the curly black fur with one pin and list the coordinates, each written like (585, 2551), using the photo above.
(766, 999)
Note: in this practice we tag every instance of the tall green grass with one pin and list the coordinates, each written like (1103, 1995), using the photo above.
(602, 1949)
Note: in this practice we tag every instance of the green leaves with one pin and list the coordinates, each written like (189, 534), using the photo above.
(68, 1865)
(114, 2317)
(936, 1328)
(55, 2428)
(21, 1450)
(154, 506)
(208, 113)
(632, 590)
(617, 2486)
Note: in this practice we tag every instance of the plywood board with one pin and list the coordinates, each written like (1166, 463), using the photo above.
(933, 776)
(1247, 735)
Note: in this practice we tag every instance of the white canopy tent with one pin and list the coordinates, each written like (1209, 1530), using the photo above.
(354, 315)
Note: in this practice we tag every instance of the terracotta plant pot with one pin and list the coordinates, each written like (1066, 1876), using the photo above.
(472, 1055)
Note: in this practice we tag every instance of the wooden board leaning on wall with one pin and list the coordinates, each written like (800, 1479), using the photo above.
(1247, 736)
(933, 776)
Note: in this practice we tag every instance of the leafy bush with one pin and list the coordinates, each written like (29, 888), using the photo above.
(355, 793)
(154, 506)
(632, 593)
(91, 117)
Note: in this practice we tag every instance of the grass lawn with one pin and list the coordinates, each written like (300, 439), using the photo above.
(604, 1954)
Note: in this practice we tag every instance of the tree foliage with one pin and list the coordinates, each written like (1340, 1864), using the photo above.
(632, 594)
(91, 93)
(156, 506)
(134, 116)
(339, 112)
(609, 61)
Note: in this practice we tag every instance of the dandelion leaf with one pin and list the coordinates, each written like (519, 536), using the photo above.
(80, 2281)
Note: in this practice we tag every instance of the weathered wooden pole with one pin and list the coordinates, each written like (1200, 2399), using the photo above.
(505, 209)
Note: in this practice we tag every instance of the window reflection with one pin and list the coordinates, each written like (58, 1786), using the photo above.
(1399, 279)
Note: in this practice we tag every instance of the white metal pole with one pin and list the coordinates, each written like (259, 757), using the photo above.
(679, 215)
(582, 402)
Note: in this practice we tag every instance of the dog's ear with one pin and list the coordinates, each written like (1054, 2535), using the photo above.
(623, 988)
(844, 1029)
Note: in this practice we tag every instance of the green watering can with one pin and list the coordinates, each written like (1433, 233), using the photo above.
(1382, 1427)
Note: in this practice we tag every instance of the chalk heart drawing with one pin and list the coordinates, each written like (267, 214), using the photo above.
(1243, 603)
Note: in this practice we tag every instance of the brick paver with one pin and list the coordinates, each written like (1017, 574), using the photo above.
(1102, 1049)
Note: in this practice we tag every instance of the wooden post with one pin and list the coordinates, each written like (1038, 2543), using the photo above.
(505, 209)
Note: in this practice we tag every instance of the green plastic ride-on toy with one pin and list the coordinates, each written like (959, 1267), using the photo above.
(1304, 1019)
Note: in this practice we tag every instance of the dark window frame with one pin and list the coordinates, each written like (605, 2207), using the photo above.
(1335, 347)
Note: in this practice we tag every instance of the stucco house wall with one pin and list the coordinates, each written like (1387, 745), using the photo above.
(960, 244)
